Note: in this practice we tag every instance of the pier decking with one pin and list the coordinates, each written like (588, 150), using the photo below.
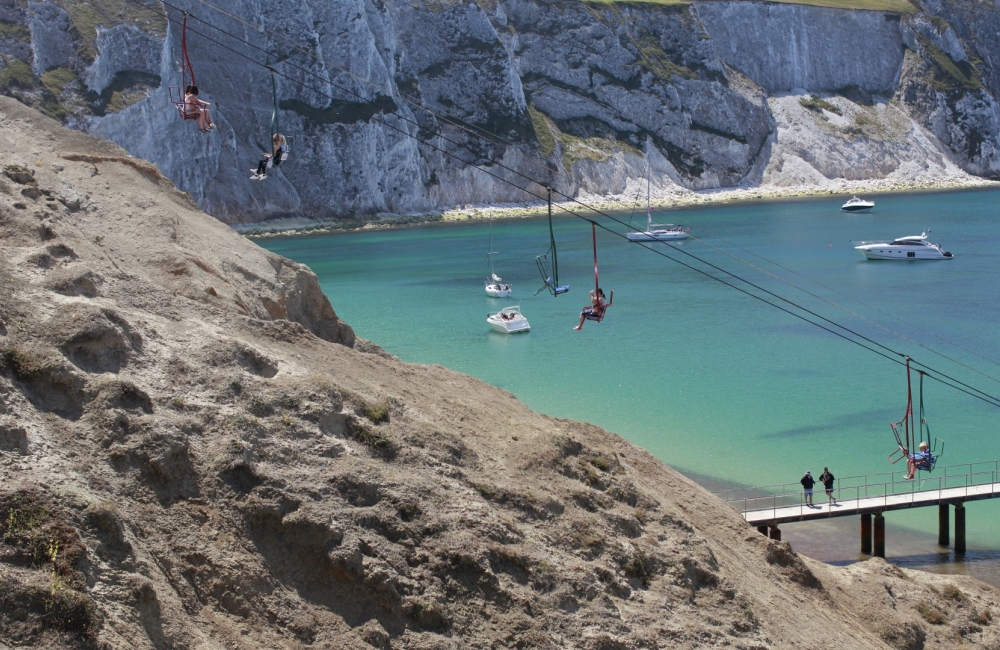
(872, 495)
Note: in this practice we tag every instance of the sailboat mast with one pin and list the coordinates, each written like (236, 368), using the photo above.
(649, 207)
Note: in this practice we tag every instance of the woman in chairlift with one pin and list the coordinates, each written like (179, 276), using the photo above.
(195, 106)
(272, 159)
(598, 303)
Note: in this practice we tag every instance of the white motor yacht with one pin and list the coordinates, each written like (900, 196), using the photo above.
(857, 205)
(508, 320)
(915, 247)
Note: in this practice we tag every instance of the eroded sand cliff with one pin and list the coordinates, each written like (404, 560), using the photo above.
(196, 453)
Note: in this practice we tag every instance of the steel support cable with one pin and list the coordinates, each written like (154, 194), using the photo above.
(471, 129)
(985, 397)
(873, 308)
(838, 306)
(496, 139)
(835, 324)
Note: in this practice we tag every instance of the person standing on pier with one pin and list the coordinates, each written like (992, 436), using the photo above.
(827, 479)
(808, 482)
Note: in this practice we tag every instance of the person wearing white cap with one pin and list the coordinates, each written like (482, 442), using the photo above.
(922, 459)
(808, 482)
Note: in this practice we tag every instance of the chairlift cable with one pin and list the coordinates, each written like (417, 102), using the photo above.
(484, 134)
(186, 61)
(985, 397)
(849, 311)
(274, 114)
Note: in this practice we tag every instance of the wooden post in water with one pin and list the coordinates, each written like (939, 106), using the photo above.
(775, 533)
(866, 533)
(959, 528)
(762, 530)
(879, 550)
(943, 539)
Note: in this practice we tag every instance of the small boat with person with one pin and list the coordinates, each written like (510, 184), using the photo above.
(914, 247)
(508, 320)
(854, 204)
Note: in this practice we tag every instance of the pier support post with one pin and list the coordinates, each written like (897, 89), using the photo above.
(879, 541)
(866, 533)
(775, 533)
(943, 526)
(959, 528)
(762, 530)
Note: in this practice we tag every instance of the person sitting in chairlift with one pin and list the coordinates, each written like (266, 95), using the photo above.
(597, 306)
(195, 106)
(922, 459)
(272, 159)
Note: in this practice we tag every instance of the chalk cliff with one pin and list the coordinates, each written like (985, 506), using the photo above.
(387, 99)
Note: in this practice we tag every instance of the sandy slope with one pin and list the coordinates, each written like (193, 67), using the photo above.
(196, 453)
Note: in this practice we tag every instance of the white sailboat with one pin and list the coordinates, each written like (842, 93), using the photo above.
(495, 286)
(656, 231)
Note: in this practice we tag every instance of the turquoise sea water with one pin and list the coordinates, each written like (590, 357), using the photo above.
(711, 381)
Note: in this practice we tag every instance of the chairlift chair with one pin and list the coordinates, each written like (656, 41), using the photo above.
(907, 435)
(176, 93)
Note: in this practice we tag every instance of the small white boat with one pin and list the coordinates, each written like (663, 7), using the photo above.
(915, 247)
(857, 205)
(495, 287)
(656, 231)
(508, 320)
(659, 232)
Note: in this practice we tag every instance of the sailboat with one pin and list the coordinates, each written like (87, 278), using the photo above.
(656, 231)
(495, 286)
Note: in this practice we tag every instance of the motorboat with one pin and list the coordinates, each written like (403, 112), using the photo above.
(915, 247)
(496, 288)
(656, 231)
(508, 320)
(857, 205)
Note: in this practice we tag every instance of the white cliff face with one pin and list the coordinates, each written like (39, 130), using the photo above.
(819, 147)
(143, 52)
(783, 47)
(388, 100)
(49, 24)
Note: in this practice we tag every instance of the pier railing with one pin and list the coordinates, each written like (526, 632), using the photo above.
(958, 480)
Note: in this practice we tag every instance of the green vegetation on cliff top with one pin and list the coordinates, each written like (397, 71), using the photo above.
(896, 6)
(88, 15)
(574, 149)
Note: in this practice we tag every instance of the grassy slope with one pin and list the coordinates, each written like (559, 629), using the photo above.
(897, 6)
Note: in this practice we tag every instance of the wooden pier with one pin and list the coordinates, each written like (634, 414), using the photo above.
(869, 497)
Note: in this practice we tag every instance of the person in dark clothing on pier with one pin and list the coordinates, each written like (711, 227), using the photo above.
(827, 479)
(808, 482)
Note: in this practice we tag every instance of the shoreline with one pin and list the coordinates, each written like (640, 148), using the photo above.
(661, 200)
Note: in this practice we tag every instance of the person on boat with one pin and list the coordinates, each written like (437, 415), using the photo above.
(922, 459)
(195, 106)
(827, 479)
(598, 304)
(273, 159)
